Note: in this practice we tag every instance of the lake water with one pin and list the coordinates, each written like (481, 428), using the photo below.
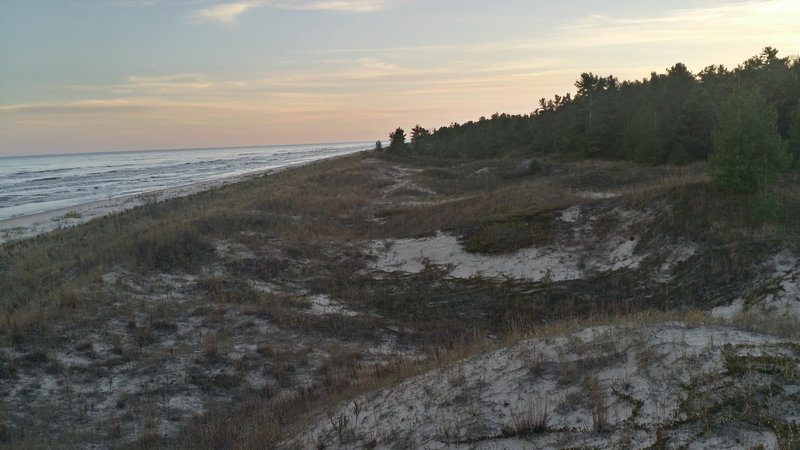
(34, 184)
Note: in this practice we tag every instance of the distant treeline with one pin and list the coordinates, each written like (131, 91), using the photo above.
(667, 117)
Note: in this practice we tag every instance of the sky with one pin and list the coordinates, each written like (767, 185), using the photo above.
(107, 75)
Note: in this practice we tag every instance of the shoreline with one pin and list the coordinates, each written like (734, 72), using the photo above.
(31, 225)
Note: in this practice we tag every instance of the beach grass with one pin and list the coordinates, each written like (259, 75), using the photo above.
(223, 282)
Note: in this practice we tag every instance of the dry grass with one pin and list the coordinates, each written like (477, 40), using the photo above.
(177, 235)
(211, 344)
(534, 419)
(255, 424)
(597, 397)
(302, 230)
(784, 326)
(332, 201)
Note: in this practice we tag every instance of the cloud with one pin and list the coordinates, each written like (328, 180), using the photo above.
(352, 6)
(168, 83)
(228, 13)
(155, 108)
(747, 24)
(335, 80)
(91, 107)
(225, 13)
(133, 3)
(772, 22)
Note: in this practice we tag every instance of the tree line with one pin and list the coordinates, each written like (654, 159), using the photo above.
(675, 117)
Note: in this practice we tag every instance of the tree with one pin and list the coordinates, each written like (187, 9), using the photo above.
(693, 129)
(794, 136)
(748, 150)
(397, 140)
(590, 84)
(644, 142)
(417, 134)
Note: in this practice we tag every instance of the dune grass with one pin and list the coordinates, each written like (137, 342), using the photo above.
(305, 229)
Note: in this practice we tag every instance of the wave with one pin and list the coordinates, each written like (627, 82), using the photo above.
(39, 172)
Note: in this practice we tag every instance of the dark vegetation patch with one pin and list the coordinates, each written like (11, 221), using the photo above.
(439, 173)
(433, 309)
(511, 231)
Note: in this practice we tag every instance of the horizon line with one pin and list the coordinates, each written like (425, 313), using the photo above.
(180, 149)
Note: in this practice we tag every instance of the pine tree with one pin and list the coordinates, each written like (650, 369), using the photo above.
(644, 142)
(748, 150)
(693, 128)
(417, 134)
(794, 137)
(397, 140)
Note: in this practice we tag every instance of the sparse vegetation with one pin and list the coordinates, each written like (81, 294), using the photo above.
(533, 420)
(513, 231)
(253, 309)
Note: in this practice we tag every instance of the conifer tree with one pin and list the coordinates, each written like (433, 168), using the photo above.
(417, 134)
(397, 140)
(748, 150)
(794, 137)
(644, 141)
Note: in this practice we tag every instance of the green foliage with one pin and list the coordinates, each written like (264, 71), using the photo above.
(692, 136)
(418, 135)
(397, 140)
(665, 117)
(510, 232)
(765, 207)
(793, 143)
(748, 150)
(590, 83)
(644, 142)
(534, 166)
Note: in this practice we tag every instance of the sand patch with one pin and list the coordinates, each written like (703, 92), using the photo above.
(571, 214)
(413, 255)
(548, 263)
(322, 305)
(596, 195)
(777, 291)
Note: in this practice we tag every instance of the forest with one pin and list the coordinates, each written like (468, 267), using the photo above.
(675, 117)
